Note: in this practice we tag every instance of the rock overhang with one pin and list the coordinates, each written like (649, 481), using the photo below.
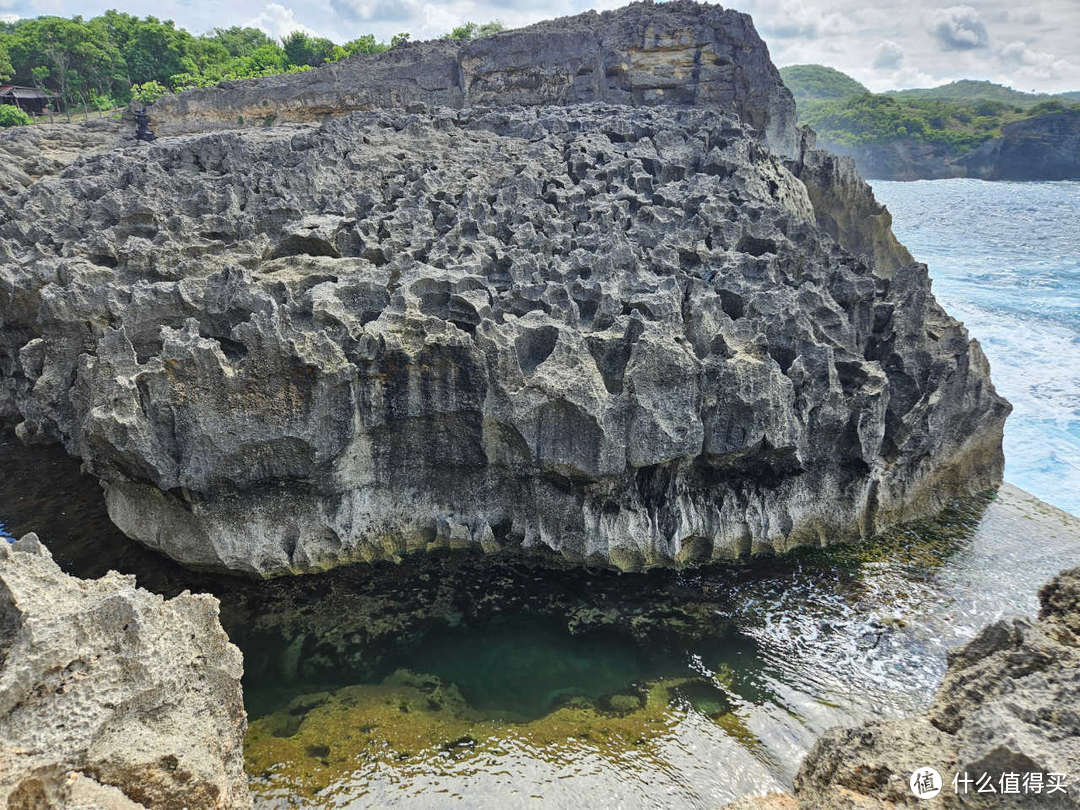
(617, 333)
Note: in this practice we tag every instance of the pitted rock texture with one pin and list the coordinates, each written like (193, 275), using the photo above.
(112, 698)
(29, 153)
(682, 53)
(615, 333)
(1008, 704)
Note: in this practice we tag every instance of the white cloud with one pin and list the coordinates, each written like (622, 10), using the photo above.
(959, 28)
(8, 18)
(278, 21)
(1036, 65)
(888, 56)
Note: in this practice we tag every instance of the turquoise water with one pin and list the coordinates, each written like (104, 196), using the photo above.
(1005, 259)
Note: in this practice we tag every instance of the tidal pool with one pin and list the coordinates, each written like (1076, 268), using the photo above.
(458, 679)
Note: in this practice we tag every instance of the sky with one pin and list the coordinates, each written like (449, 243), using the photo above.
(1028, 45)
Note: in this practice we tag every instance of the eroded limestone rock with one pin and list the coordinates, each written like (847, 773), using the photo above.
(1008, 704)
(678, 53)
(113, 698)
(618, 333)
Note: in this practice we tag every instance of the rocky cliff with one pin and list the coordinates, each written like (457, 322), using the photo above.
(679, 53)
(617, 333)
(112, 698)
(652, 334)
(1045, 147)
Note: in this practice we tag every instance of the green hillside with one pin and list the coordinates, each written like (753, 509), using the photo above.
(820, 82)
(969, 90)
(960, 115)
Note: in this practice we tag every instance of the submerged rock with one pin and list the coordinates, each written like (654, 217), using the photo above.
(112, 697)
(1007, 705)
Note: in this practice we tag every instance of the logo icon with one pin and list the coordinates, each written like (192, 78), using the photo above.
(925, 783)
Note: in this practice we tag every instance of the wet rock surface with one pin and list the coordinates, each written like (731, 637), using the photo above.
(112, 697)
(619, 334)
(1007, 705)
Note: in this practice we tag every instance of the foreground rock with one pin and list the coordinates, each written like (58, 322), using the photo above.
(29, 153)
(616, 333)
(659, 332)
(111, 697)
(1008, 704)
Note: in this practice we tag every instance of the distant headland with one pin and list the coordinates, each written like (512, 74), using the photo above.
(961, 129)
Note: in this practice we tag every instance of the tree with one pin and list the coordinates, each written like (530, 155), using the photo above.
(471, 30)
(148, 92)
(157, 50)
(301, 49)
(463, 32)
(399, 39)
(239, 41)
(6, 70)
(11, 116)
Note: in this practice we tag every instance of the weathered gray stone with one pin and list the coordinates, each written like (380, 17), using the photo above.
(622, 334)
(112, 698)
(644, 54)
(29, 153)
(1008, 704)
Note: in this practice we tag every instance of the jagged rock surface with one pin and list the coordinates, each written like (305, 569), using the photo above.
(29, 153)
(1008, 704)
(112, 698)
(616, 333)
(681, 53)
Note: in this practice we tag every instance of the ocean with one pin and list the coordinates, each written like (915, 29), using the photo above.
(1005, 259)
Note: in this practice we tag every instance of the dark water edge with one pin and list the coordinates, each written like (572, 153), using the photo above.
(491, 679)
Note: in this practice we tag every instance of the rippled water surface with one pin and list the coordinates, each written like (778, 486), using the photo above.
(1005, 259)
(457, 679)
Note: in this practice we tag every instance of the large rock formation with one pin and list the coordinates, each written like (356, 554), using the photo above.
(1046, 147)
(681, 53)
(1008, 705)
(112, 698)
(617, 333)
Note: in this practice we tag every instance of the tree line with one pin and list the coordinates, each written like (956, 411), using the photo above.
(104, 62)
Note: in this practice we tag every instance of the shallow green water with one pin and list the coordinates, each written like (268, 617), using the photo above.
(457, 679)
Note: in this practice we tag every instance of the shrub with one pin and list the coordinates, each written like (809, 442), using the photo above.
(148, 92)
(11, 116)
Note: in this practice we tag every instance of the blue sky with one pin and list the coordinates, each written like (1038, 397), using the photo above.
(1029, 45)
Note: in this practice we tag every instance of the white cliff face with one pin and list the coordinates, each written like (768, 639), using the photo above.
(111, 697)
(620, 334)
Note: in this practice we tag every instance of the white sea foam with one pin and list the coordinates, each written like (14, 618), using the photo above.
(1005, 259)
